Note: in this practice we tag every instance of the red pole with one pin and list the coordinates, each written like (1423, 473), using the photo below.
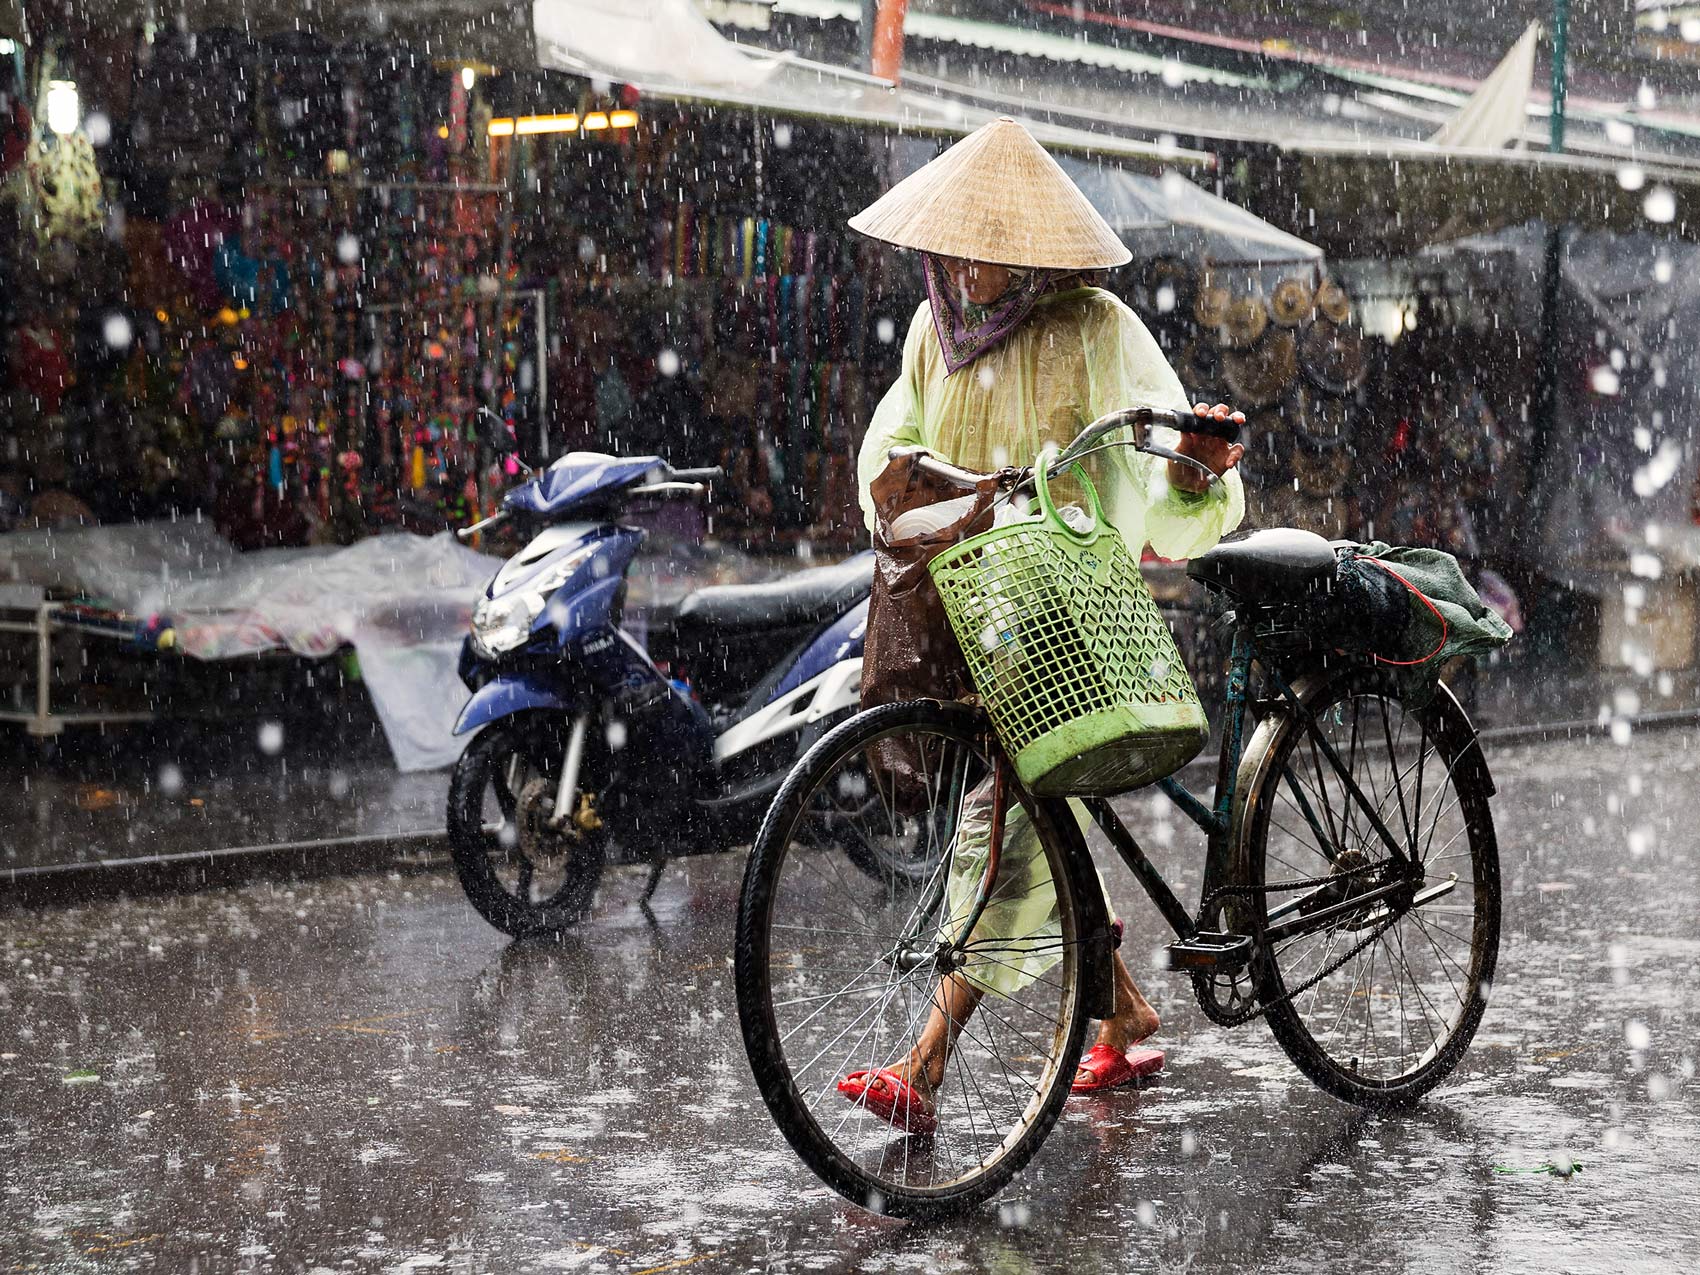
(887, 62)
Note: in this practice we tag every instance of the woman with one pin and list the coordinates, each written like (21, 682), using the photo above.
(1013, 351)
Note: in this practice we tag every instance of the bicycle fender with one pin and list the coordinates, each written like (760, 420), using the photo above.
(1453, 724)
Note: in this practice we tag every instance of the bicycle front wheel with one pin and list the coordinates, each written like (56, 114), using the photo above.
(840, 973)
(1376, 973)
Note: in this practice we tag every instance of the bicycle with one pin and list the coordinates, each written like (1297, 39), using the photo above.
(1349, 830)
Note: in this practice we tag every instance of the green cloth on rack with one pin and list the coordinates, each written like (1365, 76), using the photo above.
(1464, 624)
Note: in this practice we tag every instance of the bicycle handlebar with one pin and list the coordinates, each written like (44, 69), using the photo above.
(1087, 441)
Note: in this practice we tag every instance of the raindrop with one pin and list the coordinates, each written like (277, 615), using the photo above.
(117, 331)
(1146, 1212)
(1631, 176)
(1660, 205)
(1604, 380)
(1165, 299)
(616, 735)
(782, 136)
(886, 330)
(1014, 1216)
(1174, 74)
(667, 363)
(170, 779)
(1620, 133)
(1663, 269)
(1658, 1087)
(337, 785)
(1636, 1034)
(1646, 565)
(1621, 732)
(1658, 471)
(986, 376)
(1646, 97)
(347, 249)
(98, 126)
(586, 250)
(1691, 30)
(271, 738)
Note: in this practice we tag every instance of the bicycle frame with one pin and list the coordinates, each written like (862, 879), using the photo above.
(1217, 822)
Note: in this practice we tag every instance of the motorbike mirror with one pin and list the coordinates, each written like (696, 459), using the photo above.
(494, 433)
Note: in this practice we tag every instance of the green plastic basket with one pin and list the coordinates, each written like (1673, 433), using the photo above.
(1071, 656)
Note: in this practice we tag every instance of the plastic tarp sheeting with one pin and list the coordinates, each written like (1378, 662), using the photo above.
(1170, 216)
(1622, 457)
(1158, 216)
(403, 602)
(644, 38)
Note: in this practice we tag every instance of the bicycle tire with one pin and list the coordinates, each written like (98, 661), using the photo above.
(1444, 724)
(752, 975)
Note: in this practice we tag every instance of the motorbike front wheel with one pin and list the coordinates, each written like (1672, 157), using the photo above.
(527, 875)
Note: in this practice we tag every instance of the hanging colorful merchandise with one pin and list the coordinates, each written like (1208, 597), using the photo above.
(63, 197)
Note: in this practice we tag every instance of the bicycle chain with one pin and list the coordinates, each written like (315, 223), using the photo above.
(1249, 891)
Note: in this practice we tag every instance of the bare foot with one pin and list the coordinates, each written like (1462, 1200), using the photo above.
(1133, 1021)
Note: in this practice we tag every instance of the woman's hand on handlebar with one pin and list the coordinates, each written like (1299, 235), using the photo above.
(1219, 454)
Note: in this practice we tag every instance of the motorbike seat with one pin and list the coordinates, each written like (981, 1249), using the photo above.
(810, 597)
(1282, 564)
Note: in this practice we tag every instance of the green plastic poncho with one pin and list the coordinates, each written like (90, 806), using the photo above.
(1077, 355)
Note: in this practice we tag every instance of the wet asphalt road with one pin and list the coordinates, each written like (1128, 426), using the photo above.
(357, 1074)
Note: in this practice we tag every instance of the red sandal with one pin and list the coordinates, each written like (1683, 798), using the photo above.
(1110, 1069)
(898, 1103)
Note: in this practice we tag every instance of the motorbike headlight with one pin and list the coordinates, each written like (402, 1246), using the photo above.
(501, 624)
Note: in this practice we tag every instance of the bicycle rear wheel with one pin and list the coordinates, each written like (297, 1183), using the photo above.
(837, 971)
(1375, 1001)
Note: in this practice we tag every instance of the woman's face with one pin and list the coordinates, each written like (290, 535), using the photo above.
(979, 281)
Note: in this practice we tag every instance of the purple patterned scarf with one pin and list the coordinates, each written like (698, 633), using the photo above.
(966, 331)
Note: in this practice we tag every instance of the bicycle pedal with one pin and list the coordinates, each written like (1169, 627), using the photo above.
(1210, 950)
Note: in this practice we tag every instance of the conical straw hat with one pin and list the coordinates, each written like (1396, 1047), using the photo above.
(995, 196)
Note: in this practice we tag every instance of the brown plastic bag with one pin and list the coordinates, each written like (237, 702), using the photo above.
(909, 651)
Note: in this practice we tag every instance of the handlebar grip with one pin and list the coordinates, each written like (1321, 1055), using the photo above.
(1192, 423)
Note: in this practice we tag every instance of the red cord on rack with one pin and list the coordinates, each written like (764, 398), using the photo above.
(1423, 598)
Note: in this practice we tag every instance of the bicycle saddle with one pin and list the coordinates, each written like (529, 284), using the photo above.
(1282, 564)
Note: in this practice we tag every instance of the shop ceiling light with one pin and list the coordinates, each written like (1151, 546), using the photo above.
(63, 107)
(596, 121)
(468, 77)
(529, 124)
(623, 119)
(526, 124)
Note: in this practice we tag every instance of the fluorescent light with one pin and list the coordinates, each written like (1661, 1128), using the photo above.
(526, 125)
(596, 121)
(468, 77)
(64, 110)
(7, 47)
(546, 124)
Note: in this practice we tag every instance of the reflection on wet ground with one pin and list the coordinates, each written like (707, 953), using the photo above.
(357, 1074)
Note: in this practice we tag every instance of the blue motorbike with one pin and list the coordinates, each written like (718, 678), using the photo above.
(591, 748)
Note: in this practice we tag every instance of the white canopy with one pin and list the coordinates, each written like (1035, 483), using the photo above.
(1497, 112)
(1169, 216)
